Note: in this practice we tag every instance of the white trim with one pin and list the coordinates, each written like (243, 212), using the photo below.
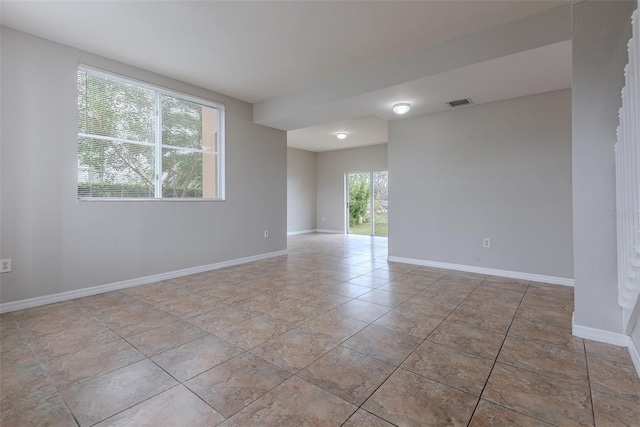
(631, 317)
(323, 230)
(608, 337)
(64, 296)
(221, 143)
(293, 233)
(159, 91)
(600, 335)
(635, 356)
(564, 281)
(149, 86)
(118, 140)
(157, 150)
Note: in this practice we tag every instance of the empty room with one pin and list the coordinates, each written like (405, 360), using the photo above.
(319, 213)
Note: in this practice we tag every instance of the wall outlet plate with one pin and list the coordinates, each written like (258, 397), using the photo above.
(266, 233)
(486, 242)
(5, 265)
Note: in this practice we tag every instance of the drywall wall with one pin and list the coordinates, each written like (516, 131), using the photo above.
(634, 347)
(500, 170)
(331, 169)
(330, 98)
(301, 190)
(601, 31)
(58, 243)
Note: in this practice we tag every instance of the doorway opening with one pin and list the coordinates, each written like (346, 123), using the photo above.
(367, 202)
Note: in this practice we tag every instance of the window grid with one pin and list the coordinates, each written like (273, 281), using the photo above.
(173, 154)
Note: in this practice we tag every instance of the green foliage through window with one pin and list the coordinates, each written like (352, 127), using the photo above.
(127, 150)
(358, 199)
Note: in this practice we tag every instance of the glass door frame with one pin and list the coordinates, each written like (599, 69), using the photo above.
(372, 227)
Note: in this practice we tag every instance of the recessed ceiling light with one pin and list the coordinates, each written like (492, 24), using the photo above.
(341, 135)
(402, 108)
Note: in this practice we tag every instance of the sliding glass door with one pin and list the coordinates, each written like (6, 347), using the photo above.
(359, 202)
(380, 184)
(367, 203)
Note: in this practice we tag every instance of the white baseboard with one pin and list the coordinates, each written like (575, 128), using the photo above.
(64, 296)
(564, 281)
(608, 337)
(635, 356)
(600, 335)
(293, 233)
(323, 230)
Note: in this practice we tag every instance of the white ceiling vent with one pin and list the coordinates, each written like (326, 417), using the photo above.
(459, 102)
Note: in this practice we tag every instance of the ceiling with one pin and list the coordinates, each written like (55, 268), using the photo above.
(534, 71)
(361, 131)
(319, 66)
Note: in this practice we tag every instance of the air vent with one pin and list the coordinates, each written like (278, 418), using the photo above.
(459, 103)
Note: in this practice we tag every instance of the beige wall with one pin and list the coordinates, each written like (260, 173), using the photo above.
(500, 170)
(331, 169)
(601, 31)
(59, 244)
(301, 190)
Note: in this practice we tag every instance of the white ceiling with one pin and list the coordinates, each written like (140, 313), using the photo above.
(534, 71)
(361, 131)
(270, 52)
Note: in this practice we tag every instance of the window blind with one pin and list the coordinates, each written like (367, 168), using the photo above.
(136, 141)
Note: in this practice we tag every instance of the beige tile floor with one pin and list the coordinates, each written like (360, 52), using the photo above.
(331, 334)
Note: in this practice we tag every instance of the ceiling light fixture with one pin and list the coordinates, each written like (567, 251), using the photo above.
(402, 108)
(341, 135)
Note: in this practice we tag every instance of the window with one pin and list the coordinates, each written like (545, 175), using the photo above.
(138, 141)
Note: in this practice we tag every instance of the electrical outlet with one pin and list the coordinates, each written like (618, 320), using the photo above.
(486, 242)
(5, 265)
(266, 233)
(322, 218)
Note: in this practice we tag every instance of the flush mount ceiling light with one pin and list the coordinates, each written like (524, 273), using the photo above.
(341, 135)
(402, 108)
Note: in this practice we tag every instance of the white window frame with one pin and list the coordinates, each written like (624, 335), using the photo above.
(157, 143)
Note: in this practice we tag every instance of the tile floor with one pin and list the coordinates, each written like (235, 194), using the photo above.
(331, 334)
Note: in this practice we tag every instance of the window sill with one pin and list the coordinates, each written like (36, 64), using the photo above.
(174, 200)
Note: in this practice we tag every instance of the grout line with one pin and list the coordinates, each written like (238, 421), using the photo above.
(325, 255)
(370, 413)
(523, 369)
(543, 374)
(44, 369)
(421, 343)
(73, 415)
(586, 361)
(139, 403)
(496, 359)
